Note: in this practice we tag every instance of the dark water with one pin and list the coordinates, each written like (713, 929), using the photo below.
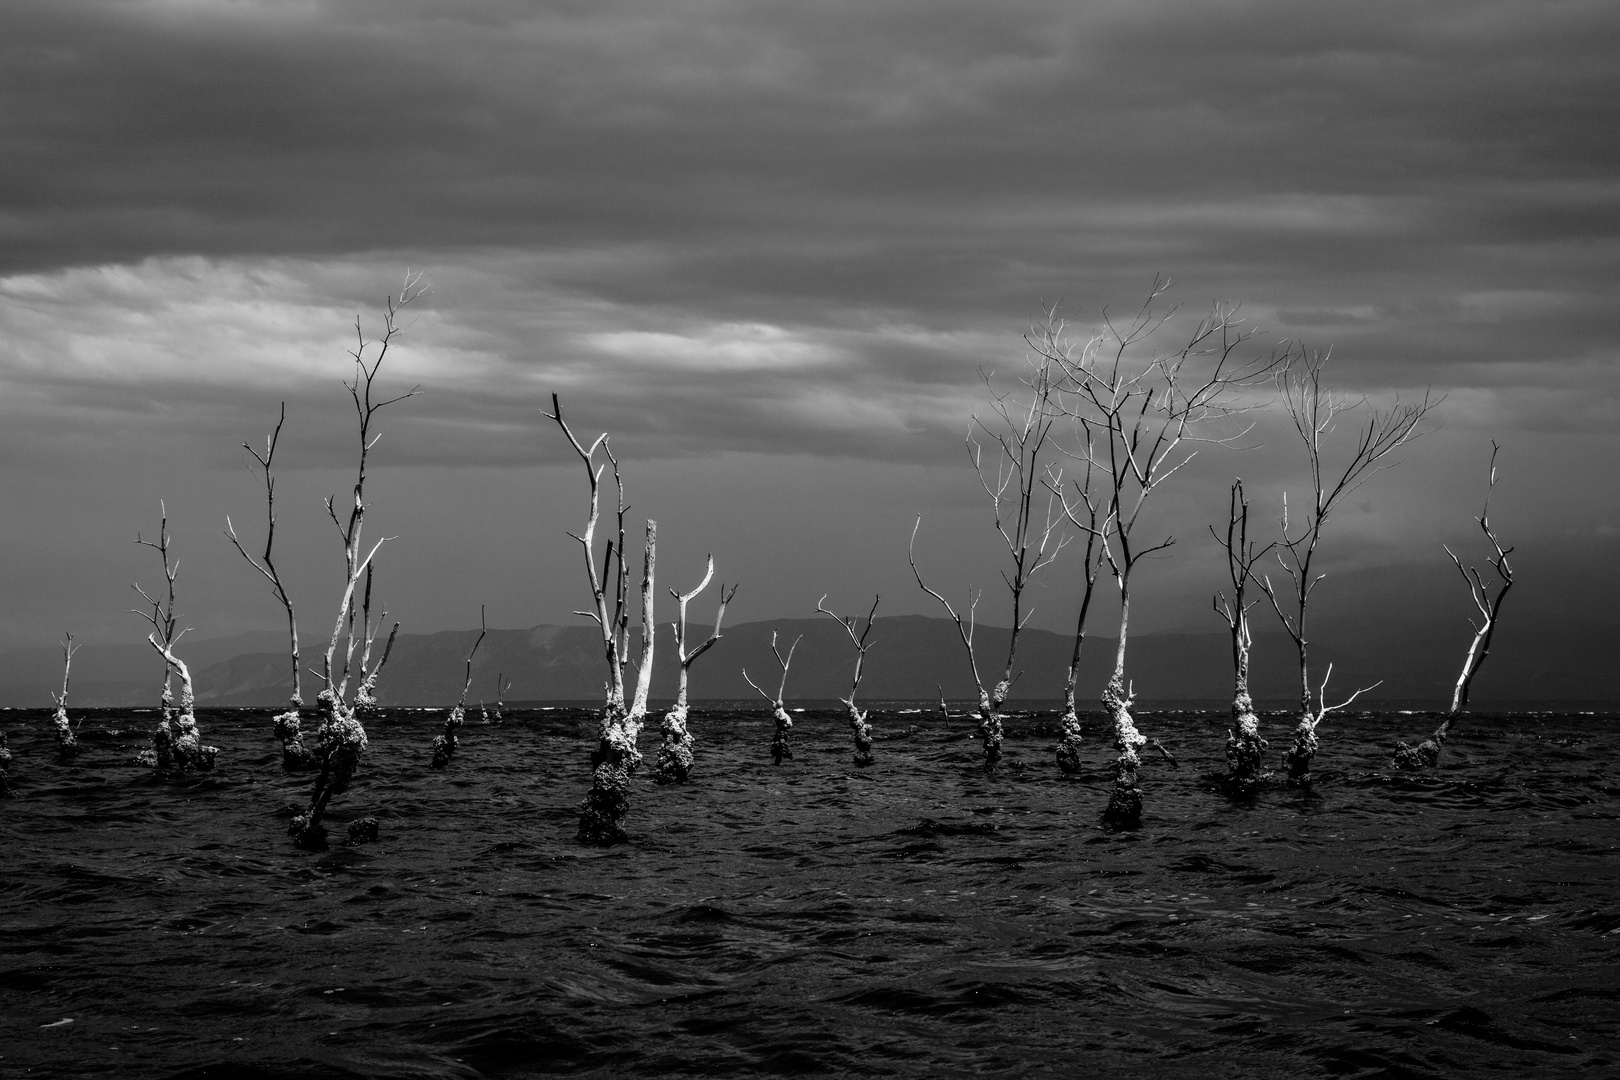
(916, 918)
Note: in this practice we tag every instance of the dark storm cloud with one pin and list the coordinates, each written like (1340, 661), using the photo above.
(921, 130)
(788, 230)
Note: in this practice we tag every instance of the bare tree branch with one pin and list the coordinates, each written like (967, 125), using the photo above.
(1315, 411)
(265, 564)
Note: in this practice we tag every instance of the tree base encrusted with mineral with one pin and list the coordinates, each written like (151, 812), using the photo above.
(616, 758)
(781, 747)
(674, 761)
(1302, 751)
(176, 742)
(1426, 754)
(1245, 750)
(861, 732)
(1068, 747)
(1124, 810)
(444, 745)
(67, 743)
(990, 728)
(295, 756)
(339, 742)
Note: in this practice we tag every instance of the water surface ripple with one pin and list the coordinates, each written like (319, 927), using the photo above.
(914, 918)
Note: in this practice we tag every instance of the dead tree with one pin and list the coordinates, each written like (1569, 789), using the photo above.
(1141, 413)
(444, 746)
(780, 747)
(295, 756)
(674, 761)
(1245, 749)
(859, 728)
(341, 736)
(616, 758)
(1021, 431)
(1068, 747)
(67, 743)
(1315, 411)
(176, 743)
(501, 687)
(1427, 753)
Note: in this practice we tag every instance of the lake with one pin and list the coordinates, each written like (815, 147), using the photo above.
(914, 918)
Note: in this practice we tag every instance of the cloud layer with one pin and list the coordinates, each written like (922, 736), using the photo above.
(788, 233)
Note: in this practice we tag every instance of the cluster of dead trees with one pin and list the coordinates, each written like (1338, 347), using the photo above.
(348, 675)
(1096, 427)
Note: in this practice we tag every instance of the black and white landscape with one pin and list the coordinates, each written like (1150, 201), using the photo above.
(737, 538)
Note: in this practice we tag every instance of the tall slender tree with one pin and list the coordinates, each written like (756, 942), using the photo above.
(289, 723)
(1026, 514)
(1316, 412)
(1245, 749)
(1487, 598)
(1089, 525)
(616, 757)
(341, 736)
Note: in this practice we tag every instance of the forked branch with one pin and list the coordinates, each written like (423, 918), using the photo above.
(782, 662)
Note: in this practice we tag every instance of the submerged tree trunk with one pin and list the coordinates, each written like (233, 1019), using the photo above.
(1068, 747)
(780, 746)
(295, 755)
(861, 733)
(5, 766)
(1124, 809)
(444, 745)
(67, 743)
(675, 760)
(1245, 749)
(339, 742)
(990, 726)
(1299, 755)
(616, 758)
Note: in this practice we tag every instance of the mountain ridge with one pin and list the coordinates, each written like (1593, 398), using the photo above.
(914, 658)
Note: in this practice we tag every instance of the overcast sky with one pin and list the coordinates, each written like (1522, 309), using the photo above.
(768, 246)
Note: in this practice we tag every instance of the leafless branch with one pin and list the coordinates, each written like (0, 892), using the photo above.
(782, 662)
(679, 626)
(265, 564)
(859, 641)
(483, 628)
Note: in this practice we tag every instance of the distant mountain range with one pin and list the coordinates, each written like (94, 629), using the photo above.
(913, 658)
